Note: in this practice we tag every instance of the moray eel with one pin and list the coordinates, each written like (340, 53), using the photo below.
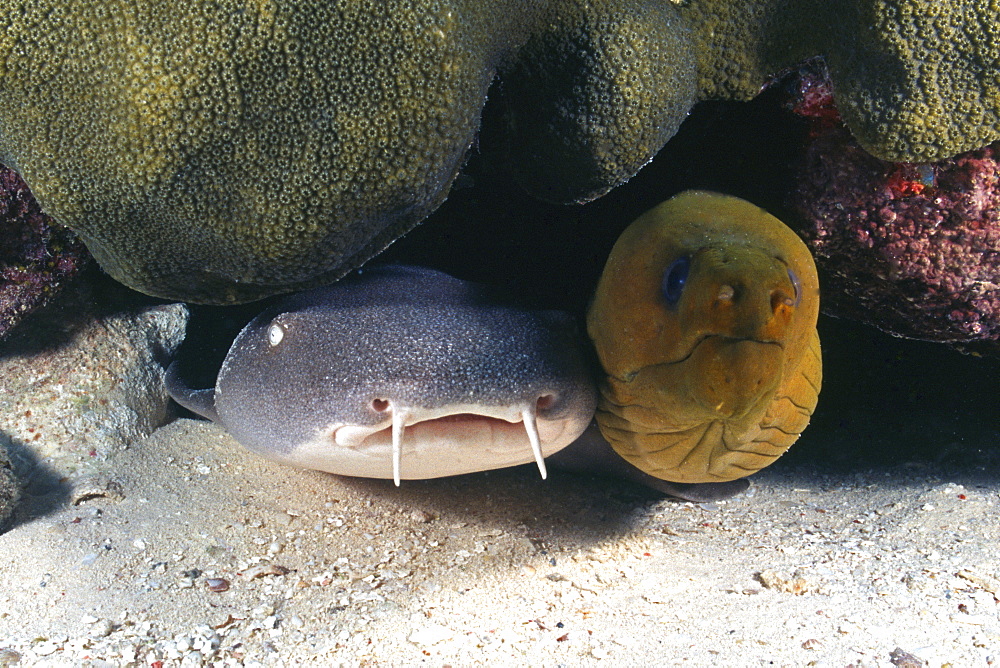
(402, 373)
(704, 322)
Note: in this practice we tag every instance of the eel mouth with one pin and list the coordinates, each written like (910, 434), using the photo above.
(723, 340)
(706, 340)
(511, 426)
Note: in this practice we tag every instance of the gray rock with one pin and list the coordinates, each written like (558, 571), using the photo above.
(83, 381)
(10, 489)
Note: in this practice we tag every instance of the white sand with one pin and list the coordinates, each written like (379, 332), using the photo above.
(499, 568)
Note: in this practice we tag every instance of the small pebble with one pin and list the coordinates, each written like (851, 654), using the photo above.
(45, 648)
(217, 584)
(9, 657)
(430, 635)
(99, 486)
(421, 516)
(285, 518)
(262, 611)
(101, 628)
(903, 659)
(262, 570)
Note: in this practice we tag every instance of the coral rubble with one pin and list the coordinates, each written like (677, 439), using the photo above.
(37, 256)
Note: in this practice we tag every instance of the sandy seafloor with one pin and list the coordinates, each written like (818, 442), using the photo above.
(807, 569)
(874, 543)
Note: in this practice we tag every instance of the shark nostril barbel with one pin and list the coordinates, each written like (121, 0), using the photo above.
(398, 427)
(528, 415)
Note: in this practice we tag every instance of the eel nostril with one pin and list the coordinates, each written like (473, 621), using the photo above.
(380, 405)
(780, 298)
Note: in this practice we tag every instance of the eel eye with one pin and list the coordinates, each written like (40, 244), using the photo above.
(674, 279)
(275, 333)
(797, 284)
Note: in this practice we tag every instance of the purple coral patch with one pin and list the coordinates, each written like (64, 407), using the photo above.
(37, 256)
(912, 249)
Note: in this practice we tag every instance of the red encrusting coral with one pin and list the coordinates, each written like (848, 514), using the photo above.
(811, 96)
(37, 256)
(913, 249)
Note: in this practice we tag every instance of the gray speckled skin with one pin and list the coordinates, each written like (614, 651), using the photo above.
(413, 336)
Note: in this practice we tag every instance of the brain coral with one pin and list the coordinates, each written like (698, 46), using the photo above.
(915, 80)
(223, 150)
(220, 151)
(617, 79)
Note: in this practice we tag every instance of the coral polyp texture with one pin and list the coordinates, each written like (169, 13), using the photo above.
(223, 151)
(915, 80)
(595, 93)
(912, 248)
(37, 257)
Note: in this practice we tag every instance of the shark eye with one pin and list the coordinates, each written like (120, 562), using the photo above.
(797, 284)
(674, 279)
(275, 333)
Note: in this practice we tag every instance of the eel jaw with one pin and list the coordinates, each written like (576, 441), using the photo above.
(400, 417)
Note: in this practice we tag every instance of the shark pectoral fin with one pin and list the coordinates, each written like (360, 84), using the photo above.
(201, 402)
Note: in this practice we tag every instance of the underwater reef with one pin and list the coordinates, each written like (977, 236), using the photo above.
(911, 248)
(37, 257)
(224, 151)
(915, 80)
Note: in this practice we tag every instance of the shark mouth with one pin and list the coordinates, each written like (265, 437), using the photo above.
(510, 422)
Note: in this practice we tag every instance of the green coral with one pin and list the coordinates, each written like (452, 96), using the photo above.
(739, 44)
(916, 80)
(220, 151)
(595, 93)
(919, 81)
(225, 150)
